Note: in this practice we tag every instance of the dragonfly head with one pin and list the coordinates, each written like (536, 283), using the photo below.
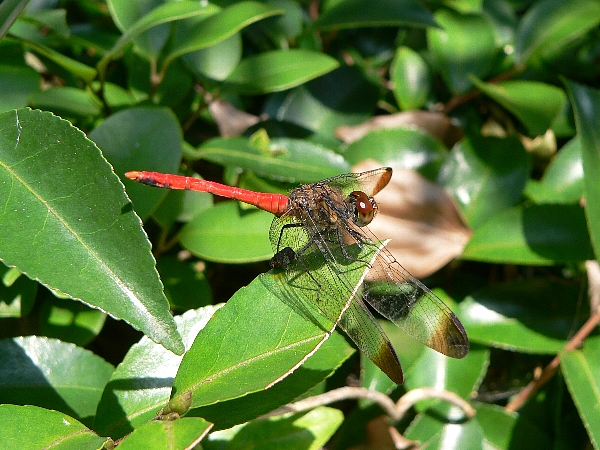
(365, 207)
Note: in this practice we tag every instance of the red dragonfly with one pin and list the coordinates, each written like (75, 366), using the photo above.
(327, 221)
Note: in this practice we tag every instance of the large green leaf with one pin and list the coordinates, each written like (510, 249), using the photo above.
(485, 175)
(410, 77)
(316, 368)
(293, 160)
(184, 433)
(32, 428)
(586, 105)
(262, 342)
(141, 139)
(67, 223)
(551, 24)
(534, 234)
(200, 32)
(278, 70)
(532, 316)
(141, 384)
(580, 368)
(563, 179)
(380, 13)
(224, 233)
(342, 97)
(463, 46)
(131, 18)
(305, 431)
(39, 371)
(535, 104)
(16, 84)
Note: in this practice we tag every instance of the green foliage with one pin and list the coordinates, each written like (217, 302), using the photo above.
(500, 106)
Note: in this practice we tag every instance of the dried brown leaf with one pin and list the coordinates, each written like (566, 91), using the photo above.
(423, 222)
(230, 120)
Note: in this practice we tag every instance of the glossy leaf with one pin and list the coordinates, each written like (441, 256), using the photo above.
(463, 46)
(141, 384)
(485, 175)
(225, 233)
(586, 106)
(291, 160)
(535, 234)
(69, 321)
(183, 433)
(201, 32)
(435, 432)
(278, 334)
(39, 371)
(400, 147)
(310, 430)
(342, 97)
(52, 429)
(278, 70)
(580, 368)
(218, 60)
(65, 205)
(134, 18)
(382, 13)
(535, 104)
(314, 371)
(16, 84)
(563, 179)
(531, 316)
(67, 101)
(411, 79)
(550, 24)
(17, 293)
(141, 139)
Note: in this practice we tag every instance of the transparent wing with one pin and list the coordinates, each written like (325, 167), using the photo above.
(370, 182)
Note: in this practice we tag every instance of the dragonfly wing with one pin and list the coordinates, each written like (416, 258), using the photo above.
(370, 182)
(404, 300)
(361, 327)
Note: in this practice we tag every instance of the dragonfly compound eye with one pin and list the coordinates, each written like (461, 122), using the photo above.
(365, 208)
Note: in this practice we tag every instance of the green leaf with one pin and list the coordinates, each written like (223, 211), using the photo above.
(200, 32)
(534, 234)
(16, 84)
(217, 61)
(224, 233)
(39, 371)
(17, 293)
(586, 106)
(141, 384)
(550, 25)
(342, 97)
(62, 203)
(263, 342)
(316, 369)
(141, 139)
(278, 70)
(531, 316)
(563, 179)
(579, 368)
(67, 101)
(411, 79)
(85, 72)
(399, 147)
(182, 433)
(32, 428)
(186, 285)
(305, 431)
(127, 17)
(69, 321)
(485, 175)
(380, 13)
(463, 46)
(535, 104)
(293, 160)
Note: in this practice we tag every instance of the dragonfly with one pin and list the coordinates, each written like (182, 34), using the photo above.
(327, 221)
